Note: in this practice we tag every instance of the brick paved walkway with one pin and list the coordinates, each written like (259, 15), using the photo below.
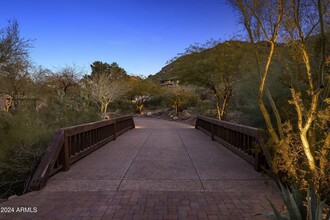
(127, 204)
(160, 170)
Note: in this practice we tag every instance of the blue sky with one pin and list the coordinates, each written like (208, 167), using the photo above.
(140, 35)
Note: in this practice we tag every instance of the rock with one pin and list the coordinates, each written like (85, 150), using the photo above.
(186, 114)
(149, 113)
(175, 118)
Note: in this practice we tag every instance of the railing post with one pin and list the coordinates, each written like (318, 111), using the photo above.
(115, 129)
(196, 123)
(133, 124)
(238, 138)
(212, 131)
(257, 166)
(71, 144)
(66, 155)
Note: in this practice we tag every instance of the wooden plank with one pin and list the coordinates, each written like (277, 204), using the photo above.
(205, 131)
(232, 126)
(96, 146)
(94, 125)
(87, 127)
(48, 160)
(240, 153)
(235, 137)
(55, 170)
(66, 155)
(90, 149)
(58, 149)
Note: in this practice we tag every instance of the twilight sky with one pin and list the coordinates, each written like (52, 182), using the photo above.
(140, 35)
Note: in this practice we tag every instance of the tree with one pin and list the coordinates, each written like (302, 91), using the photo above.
(217, 70)
(102, 90)
(180, 97)
(222, 72)
(196, 48)
(262, 22)
(13, 48)
(114, 71)
(141, 90)
(299, 153)
(14, 62)
(64, 80)
(105, 84)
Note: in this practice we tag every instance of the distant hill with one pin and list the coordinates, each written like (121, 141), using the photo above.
(171, 69)
(244, 107)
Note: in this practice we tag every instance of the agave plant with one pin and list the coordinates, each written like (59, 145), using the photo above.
(296, 210)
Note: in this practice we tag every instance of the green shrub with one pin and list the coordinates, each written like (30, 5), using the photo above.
(24, 136)
(22, 140)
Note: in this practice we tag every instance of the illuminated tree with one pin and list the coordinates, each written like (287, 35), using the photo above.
(217, 70)
(301, 144)
(102, 90)
(141, 90)
(180, 97)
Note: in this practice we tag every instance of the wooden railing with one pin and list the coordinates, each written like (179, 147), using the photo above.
(72, 143)
(242, 140)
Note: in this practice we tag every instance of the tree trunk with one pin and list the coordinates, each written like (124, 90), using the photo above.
(217, 105)
(102, 106)
(323, 43)
(105, 108)
(139, 108)
(223, 108)
(276, 113)
(307, 151)
(303, 129)
(262, 106)
(9, 102)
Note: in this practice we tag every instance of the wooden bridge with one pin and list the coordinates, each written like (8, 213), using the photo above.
(159, 170)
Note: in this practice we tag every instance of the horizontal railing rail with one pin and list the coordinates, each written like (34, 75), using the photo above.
(242, 140)
(73, 143)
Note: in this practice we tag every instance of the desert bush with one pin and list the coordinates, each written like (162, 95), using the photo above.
(24, 135)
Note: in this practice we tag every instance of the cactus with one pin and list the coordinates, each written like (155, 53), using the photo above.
(294, 203)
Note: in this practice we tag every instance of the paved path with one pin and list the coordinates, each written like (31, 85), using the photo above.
(160, 170)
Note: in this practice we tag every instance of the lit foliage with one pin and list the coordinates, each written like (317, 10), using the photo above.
(140, 91)
(217, 70)
(103, 90)
(180, 97)
(300, 145)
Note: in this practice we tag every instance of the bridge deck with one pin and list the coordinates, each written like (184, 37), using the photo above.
(159, 170)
